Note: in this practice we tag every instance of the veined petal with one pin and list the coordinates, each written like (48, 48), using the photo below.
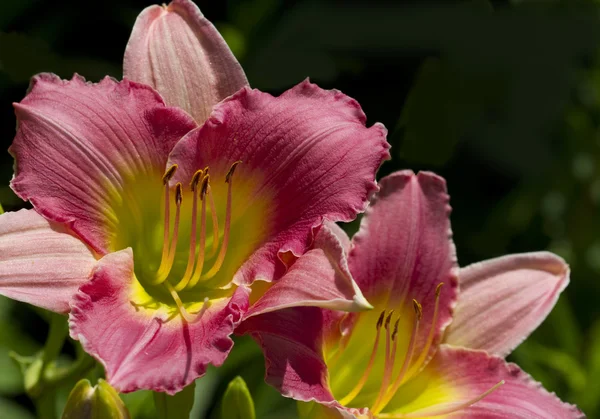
(78, 144)
(319, 278)
(291, 340)
(176, 50)
(41, 263)
(404, 251)
(307, 154)
(503, 300)
(146, 348)
(456, 376)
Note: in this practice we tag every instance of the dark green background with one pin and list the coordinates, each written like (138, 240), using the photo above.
(501, 99)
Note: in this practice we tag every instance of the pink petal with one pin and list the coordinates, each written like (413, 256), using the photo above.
(291, 340)
(144, 348)
(404, 249)
(503, 300)
(319, 278)
(176, 50)
(311, 151)
(471, 373)
(41, 263)
(78, 143)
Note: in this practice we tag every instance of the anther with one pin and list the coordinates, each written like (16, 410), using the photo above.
(231, 170)
(390, 357)
(169, 174)
(196, 179)
(363, 380)
(418, 309)
(388, 318)
(204, 186)
(395, 333)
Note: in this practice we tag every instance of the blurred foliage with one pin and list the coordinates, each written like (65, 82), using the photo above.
(501, 98)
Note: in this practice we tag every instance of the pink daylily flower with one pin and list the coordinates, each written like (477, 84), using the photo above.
(149, 225)
(401, 360)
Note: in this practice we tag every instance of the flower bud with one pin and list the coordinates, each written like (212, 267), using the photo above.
(237, 402)
(98, 402)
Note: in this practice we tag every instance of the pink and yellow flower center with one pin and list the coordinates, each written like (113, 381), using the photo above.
(389, 375)
(188, 248)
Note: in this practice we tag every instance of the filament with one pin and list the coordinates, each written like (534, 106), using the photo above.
(167, 263)
(221, 257)
(215, 223)
(388, 364)
(200, 261)
(188, 317)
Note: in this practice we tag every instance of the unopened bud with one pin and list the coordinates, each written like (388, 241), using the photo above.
(98, 402)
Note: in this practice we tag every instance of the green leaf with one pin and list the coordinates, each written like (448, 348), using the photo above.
(1, 209)
(177, 406)
(13, 410)
(237, 402)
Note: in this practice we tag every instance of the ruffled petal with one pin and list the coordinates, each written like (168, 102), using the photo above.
(144, 348)
(291, 340)
(79, 144)
(176, 50)
(41, 263)
(404, 250)
(503, 300)
(456, 376)
(319, 278)
(306, 156)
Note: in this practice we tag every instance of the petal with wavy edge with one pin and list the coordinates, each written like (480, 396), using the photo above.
(142, 348)
(319, 278)
(291, 340)
(41, 263)
(309, 153)
(176, 50)
(503, 300)
(404, 250)
(78, 143)
(456, 376)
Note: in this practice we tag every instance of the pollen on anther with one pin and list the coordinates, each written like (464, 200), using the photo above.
(196, 179)
(380, 321)
(388, 319)
(231, 170)
(178, 193)
(169, 174)
(438, 289)
(395, 332)
(204, 186)
(418, 309)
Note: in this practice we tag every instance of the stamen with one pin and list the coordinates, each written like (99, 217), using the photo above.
(385, 399)
(189, 318)
(424, 352)
(166, 229)
(221, 257)
(363, 380)
(441, 409)
(200, 261)
(389, 362)
(167, 263)
(192, 253)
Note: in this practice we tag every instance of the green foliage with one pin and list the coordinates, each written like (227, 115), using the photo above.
(177, 406)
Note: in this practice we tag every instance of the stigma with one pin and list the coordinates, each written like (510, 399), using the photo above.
(203, 262)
